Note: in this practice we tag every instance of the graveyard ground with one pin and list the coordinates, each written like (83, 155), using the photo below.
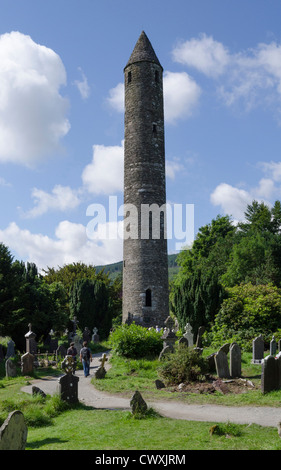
(83, 427)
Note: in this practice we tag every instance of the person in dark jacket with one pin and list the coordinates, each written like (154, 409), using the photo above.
(86, 358)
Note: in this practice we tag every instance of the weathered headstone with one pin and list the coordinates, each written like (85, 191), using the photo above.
(159, 384)
(95, 336)
(27, 362)
(61, 351)
(101, 371)
(10, 349)
(235, 360)
(86, 334)
(225, 348)
(38, 391)
(31, 345)
(68, 383)
(211, 362)
(166, 350)
(183, 341)
(13, 432)
(258, 350)
(270, 377)
(201, 330)
(138, 404)
(222, 365)
(188, 334)
(11, 368)
(77, 344)
(273, 346)
(169, 336)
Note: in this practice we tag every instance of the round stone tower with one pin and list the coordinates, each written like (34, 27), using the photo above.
(145, 260)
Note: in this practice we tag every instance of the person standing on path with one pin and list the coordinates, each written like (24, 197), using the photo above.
(86, 358)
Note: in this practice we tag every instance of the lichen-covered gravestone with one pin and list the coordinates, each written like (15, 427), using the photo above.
(11, 368)
(138, 404)
(27, 361)
(68, 383)
(101, 371)
(13, 432)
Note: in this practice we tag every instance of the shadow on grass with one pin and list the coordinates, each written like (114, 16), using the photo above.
(43, 442)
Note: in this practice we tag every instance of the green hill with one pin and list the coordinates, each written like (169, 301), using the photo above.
(116, 268)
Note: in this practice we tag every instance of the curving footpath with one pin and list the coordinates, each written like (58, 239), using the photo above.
(87, 394)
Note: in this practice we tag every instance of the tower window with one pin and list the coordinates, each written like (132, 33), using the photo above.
(148, 298)
(156, 76)
(129, 77)
(154, 129)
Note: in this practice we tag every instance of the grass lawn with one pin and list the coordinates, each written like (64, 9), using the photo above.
(52, 425)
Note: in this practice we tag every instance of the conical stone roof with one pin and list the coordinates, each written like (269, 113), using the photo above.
(143, 52)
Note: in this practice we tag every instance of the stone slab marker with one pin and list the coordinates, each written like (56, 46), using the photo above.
(258, 349)
(27, 361)
(222, 365)
(235, 360)
(13, 432)
(68, 383)
(11, 368)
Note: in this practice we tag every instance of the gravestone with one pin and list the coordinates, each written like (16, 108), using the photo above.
(201, 330)
(77, 344)
(211, 362)
(183, 341)
(166, 350)
(86, 334)
(169, 336)
(27, 362)
(258, 350)
(271, 374)
(31, 345)
(38, 391)
(225, 348)
(101, 371)
(138, 404)
(95, 337)
(61, 351)
(10, 349)
(273, 347)
(188, 334)
(11, 368)
(54, 343)
(68, 383)
(235, 360)
(221, 363)
(13, 432)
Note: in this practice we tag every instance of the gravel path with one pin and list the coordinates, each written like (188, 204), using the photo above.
(87, 394)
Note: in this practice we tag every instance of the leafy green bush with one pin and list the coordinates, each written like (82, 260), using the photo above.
(184, 365)
(249, 310)
(134, 341)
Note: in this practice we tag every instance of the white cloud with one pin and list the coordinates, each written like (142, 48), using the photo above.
(83, 86)
(172, 167)
(32, 110)
(252, 75)
(105, 174)
(181, 96)
(116, 98)
(205, 54)
(233, 201)
(62, 198)
(69, 245)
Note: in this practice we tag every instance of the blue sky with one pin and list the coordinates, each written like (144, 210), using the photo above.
(61, 114)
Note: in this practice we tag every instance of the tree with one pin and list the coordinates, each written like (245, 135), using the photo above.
(197, 292)
(89, 302)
